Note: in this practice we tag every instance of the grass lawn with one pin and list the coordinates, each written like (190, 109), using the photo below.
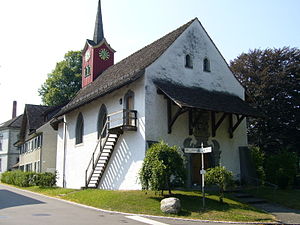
(141, 203)
(289, 197)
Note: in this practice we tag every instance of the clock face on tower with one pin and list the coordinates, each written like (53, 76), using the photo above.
(104, 54)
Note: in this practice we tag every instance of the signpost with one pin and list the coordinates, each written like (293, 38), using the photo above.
(202, 151)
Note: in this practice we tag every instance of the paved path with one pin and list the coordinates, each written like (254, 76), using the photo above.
(18, 207)
(283, 214)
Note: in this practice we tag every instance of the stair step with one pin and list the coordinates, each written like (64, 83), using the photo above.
(113, 139)
(102, 161)
(112, 135)
(103, 154)
(108, 147)
(93, 182)
(100, 164)
(97, 173)
(110, 143)
(107, 150)
(243, 195)
(254, 200)
(103, 158)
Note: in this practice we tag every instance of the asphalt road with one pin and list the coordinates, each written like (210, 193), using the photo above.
(18, 207)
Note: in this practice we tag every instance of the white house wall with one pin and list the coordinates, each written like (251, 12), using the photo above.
(48, 151)
(9, 154)
(131, 143)
(171, 66)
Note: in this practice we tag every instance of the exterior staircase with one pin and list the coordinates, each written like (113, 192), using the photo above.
(104, 148)
(102, 160)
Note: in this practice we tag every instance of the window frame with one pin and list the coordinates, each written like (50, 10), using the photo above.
(188, 61)
(79, 129)
(206, 65)
(102, 116)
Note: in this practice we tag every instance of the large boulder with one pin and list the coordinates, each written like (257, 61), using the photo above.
(170, 205)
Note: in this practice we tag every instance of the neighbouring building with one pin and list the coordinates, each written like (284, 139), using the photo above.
(9, 132)
(178, 89)
(37, 139)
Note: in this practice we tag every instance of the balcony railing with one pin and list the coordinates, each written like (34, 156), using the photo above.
(125, 119)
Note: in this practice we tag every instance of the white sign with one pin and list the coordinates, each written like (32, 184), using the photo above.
(202, 171)
(206, 150)
(192, 150)
(198, 150)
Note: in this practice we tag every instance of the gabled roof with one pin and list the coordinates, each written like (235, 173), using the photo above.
(200, 98)
(124, 72)
(35, 115)
(13, 123)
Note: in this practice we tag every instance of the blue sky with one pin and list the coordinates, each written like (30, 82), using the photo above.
(36, 34)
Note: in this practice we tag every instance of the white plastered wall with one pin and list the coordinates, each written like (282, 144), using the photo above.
(171, 66)
(124, 165)
(48, 151)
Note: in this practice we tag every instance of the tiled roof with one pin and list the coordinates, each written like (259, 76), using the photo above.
(14, 123)
(35, 115)
(124, 72)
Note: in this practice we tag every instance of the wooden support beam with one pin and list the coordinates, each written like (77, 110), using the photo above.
(232, 127)
(215, 125)
(238, 122)
(169, 112)
(173, 119)
(191, 122)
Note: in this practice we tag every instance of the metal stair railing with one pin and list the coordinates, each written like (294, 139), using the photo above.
(126, 120)
(93, 162)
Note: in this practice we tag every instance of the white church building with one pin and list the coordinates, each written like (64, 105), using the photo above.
(178, 89)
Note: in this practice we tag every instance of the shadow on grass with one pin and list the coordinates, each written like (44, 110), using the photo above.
(194, 203)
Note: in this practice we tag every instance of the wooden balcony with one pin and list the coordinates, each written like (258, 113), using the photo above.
(123, 120)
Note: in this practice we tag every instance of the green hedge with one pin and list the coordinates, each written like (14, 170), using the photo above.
(26, 179)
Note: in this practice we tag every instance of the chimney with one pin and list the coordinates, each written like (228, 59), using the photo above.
(14, 111)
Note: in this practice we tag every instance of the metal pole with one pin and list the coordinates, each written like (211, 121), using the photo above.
(202, 169)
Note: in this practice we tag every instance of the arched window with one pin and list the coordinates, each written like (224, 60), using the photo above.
(79, 129)
(129, 105)
(206, 65)
(102, 117)
(188, 61)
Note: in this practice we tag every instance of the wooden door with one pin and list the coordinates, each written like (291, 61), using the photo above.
(196, 167)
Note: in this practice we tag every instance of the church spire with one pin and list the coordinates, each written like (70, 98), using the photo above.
(98, 32)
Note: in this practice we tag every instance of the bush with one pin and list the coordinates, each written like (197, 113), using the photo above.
(163, 168)
(46, 179)
(26, 179)
(220, 176)
(281, 168)
(258, 158)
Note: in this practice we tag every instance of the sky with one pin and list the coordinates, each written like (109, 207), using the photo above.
(35, 34)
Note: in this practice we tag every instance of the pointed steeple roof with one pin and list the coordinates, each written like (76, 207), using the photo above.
(98, 32)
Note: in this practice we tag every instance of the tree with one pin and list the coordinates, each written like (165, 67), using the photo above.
(64, 81)
(271, 78)
(220, 176)
(163, 167)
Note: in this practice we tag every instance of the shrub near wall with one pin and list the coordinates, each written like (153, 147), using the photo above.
(26, 179)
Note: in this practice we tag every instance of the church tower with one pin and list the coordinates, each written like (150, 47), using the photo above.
(97, 54)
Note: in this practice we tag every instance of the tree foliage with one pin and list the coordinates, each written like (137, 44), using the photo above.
(281, 168)
(64, 81)
(258, 158)
(271, 78)
(163, 168)
(221, 177)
